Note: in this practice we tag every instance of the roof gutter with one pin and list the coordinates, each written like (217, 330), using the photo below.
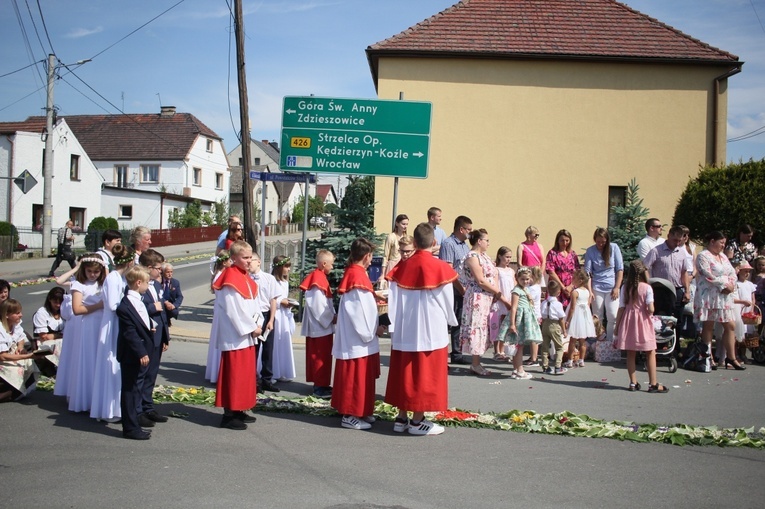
(716, 112)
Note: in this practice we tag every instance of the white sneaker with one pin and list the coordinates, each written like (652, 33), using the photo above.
(521, 376)
(352, 422)
(425, 427)
(400, 427)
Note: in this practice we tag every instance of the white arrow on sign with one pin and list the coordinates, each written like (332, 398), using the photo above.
(418, 154)
(290, 112)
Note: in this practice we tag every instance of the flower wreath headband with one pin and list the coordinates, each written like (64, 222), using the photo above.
(283, 262)
(94, 259)
(128, 257)
(523, 270)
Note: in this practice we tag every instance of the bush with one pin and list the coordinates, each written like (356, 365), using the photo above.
(98, 225)
(724, 199)
(7, 229)
(629, 223)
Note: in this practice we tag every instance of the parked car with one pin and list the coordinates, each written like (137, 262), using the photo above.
(318, 221)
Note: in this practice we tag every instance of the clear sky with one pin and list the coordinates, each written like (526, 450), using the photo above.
(185, 58)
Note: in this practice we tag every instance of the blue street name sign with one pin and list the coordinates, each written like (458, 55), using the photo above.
(265, 176)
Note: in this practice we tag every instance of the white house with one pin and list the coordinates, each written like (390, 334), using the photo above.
(75, 178)
(152, 164)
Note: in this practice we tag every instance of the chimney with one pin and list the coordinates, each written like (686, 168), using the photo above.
(166, 111)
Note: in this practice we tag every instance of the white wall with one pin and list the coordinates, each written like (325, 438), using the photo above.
(65, 193)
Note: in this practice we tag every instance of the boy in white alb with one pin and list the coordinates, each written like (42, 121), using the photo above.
(239, 324)
(553, 329)
(356, 348)
(318, 325)
(420, 307)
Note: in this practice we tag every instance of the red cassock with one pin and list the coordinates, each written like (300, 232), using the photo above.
(318, 350)
(354, 392)
(418, 380)
(235, 389)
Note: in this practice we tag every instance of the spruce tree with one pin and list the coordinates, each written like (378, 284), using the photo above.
(629, 223)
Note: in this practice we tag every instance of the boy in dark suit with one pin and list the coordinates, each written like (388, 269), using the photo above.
(152, 261)
(135, 346)
(171, 290)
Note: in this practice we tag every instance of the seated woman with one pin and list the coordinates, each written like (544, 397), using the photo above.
(49, 329)
(18, 372)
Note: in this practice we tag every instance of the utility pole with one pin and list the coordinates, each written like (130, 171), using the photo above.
(247, 185)
(48, 163)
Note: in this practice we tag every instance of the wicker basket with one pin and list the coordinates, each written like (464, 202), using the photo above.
(751, 342)
(754, 318)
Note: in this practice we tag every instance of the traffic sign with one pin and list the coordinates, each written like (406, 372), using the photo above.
(25, 181)
(280, 177)
(356, 136)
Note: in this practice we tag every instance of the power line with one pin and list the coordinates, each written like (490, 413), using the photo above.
(137, 29)
(228, 82)
(25, 67)
(42, 18)
(32, 19)
(750, 134)
(757, 16)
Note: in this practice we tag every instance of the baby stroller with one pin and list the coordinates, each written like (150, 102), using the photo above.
(665, 324)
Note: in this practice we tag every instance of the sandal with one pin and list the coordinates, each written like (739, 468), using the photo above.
(635, 387)
(661, 389)
(479, 371)
(500, 357)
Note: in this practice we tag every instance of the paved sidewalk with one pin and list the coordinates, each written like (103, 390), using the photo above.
(29, 268)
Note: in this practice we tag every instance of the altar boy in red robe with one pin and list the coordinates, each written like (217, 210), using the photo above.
(356, 349)
(318, 325)
(238, 325)
(420, 307)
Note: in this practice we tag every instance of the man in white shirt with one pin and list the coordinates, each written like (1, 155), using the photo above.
(652, 238)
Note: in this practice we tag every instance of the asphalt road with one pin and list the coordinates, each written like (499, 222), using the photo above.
(51, 457)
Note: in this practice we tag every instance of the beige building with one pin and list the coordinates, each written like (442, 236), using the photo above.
(543, 110)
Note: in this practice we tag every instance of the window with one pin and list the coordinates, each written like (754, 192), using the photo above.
(218, 181)
(74, 167)
(37, 217)
(209, 145)
(257, 161)
(197, 176)
(78, 218)
(149, 173)
(617, 197)
(126, 212)
(121, 175)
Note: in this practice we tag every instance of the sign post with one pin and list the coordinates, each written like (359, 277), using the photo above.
(356, 136)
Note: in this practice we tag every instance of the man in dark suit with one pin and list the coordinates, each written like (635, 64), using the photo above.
(135, 347)
(155, 306)
(171, 291)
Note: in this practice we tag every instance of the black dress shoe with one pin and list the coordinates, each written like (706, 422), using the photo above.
(268, 386)
(459, 360)
(136, 435)
(154, 416)
(245, 417)
(145, 422)
(232, 422)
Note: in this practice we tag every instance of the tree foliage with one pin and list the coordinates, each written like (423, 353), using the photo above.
(629, 223)
(190, 216)
(315, 209)
(9, 229)
(724, 199)
(354, 220)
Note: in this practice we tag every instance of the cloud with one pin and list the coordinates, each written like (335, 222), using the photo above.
(83, 32)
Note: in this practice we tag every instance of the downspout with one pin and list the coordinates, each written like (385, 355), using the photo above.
(161, 208)
(716, 109)
(11, 165)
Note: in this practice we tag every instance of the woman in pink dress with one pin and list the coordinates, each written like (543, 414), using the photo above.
(634, 328)
(561, 262)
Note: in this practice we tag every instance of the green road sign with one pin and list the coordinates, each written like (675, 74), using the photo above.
(355, 136)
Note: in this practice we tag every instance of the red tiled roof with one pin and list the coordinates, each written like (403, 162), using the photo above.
(322, 190)
(589, 29)
(30, 125)
(132, 137)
